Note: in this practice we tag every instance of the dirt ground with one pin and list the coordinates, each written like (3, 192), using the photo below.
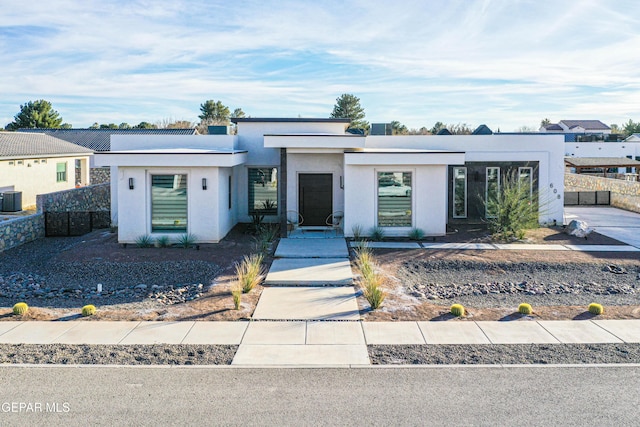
(217, 303)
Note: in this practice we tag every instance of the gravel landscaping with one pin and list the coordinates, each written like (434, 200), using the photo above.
(156, 354)
(503, 354)
(505, 284)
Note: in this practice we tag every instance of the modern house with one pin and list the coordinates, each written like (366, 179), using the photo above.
(312, 173)
(35, 163)
(580, 130)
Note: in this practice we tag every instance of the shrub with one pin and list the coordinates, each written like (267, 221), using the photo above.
(20, 308)
(596, 308)
(236, 292)
(163, 242)
(266, 235)
(186, 240)
(513, 210)
(357, 231)
(249, 272)
(88, 310)
(525, 308)
(457, 310)
(144, 241)
(370, 280)
(416, 234)
(377, 233)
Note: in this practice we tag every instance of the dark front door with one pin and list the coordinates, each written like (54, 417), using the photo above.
(315, 197)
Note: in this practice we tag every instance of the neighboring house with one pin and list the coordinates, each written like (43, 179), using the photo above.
(35, 163)
(580, 130)
(627, 149)
(99, 140)
(312, 168)
(635, 137)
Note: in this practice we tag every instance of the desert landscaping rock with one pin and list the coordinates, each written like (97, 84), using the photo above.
(503, 354)
(65, 354)
(486, 284)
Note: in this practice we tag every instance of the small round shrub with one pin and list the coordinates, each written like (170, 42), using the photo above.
(596, 308)
(457, 310)
(88, 310)
(525, 308)
(20, 308)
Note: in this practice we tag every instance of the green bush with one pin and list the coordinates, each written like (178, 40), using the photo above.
(88, 310)
(144, 241)
(357, 232)
(457, 310)
(416, 234)
(20, 308)
(596, 309)
(266, 236)
(249, 272)
(525, 308)
(513, 210)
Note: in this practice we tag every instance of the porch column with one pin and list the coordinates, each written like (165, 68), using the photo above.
(282, 202)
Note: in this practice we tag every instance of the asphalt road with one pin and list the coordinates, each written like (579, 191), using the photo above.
(135, 396)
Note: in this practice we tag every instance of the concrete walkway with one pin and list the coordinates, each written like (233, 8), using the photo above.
(618, 224)
(315, 342)
(501, 246)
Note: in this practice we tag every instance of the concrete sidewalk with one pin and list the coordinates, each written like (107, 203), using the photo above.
(498, 246)
(318, 342)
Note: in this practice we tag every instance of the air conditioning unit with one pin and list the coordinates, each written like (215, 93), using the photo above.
(12, 201)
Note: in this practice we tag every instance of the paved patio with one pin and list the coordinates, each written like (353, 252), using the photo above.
(618, 224)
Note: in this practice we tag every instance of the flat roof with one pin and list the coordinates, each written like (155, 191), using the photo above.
(601, 162)
(174, 151)
(324, 135)
(287, 120)
(401, 151)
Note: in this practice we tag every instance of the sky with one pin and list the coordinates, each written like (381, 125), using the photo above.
(503, 63)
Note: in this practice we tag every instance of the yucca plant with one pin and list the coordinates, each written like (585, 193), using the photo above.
(525, 308)
(186, 240)
(250, 271)
(416, 234)
(88, 310)
(163, 242)
(457, 310)
(357, 231)
(595, 308)
(20, 308)
(377, 233)
(144, 241)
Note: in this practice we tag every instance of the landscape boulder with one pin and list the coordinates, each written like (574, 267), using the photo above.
(578, 228)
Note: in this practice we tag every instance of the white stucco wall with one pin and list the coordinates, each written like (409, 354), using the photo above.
(39, 178)
(429, 198)
(148, 142)
(315, 163)
(603, 149)
(205, 218)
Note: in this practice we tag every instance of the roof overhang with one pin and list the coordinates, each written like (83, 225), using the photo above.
(314, 141)
(404, 157)
(600, 162)
(171, 158)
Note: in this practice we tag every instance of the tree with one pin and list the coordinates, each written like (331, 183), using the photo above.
(238, 114)
(36, 114)
(437, 127)
(348, 107)
(525, 129)
(214, 113)
(398, 128)
(631, 127)
(124, 125)
(145, 125)
(545, 122)
(109, 126)
(95, 125)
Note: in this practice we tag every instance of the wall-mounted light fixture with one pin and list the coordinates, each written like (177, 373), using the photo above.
(204, 183)
(130, 183)
(341, 182)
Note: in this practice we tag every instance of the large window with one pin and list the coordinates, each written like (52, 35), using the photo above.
(61, 172)
(525, 178)
(263, 191)
(460, 192)
(492, 191)
(394, 199)
(169, 203)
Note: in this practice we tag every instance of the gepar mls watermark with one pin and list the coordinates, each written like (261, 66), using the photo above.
(35, 407)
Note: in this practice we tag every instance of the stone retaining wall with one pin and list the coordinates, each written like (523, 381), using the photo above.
(624, 194)
(92, 198)
(18, 231)
(99, 175)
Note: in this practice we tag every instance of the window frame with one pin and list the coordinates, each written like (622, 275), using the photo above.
(251, 210)
(377, 175)
(486, 188)
(160, 229)
(520, 169)
(62, 178)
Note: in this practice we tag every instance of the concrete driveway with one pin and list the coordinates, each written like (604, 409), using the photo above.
(612, 222)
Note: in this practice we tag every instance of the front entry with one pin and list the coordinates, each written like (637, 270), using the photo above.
(315, 197)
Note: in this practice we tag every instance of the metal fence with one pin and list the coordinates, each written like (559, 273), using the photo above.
(61, 224)
(588, 198)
